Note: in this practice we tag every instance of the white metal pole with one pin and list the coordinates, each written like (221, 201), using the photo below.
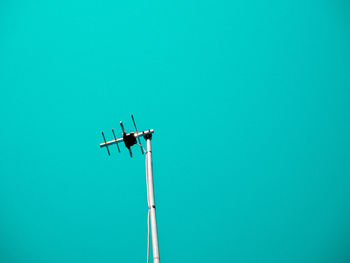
(152, 207)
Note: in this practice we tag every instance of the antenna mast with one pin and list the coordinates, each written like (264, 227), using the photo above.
(129, 140)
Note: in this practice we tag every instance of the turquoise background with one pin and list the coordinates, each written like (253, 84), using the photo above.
(250, 103)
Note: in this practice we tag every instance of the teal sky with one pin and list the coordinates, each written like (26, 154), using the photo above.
(250, 104)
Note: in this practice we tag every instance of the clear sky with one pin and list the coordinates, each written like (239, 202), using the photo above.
(250, 104)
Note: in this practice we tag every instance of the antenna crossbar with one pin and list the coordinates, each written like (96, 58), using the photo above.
(119, 140)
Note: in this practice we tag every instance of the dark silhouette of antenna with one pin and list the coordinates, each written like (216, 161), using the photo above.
(129, 140)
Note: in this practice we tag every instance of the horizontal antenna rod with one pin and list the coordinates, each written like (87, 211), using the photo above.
(118, 140)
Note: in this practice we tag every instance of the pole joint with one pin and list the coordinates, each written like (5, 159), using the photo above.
(148, 136)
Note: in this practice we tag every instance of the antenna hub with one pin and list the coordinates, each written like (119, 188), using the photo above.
(129, 139)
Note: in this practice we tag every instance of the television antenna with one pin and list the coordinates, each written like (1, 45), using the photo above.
(129, 140)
